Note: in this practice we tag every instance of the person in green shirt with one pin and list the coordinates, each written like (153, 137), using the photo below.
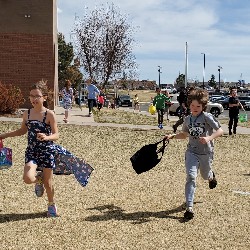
(159, 103)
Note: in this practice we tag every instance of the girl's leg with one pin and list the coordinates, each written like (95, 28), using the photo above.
(48, 183)
(29, 174)
(47, 180)
(66, 114)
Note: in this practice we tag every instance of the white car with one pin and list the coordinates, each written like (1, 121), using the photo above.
(247, 105)
(212, 107)
(170, 90)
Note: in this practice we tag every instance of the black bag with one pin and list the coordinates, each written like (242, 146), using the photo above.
(147, 157)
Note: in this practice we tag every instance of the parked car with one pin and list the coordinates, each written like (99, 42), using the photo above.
(214, 108)
(243, 100)
(247, 106)
(224, 101)
(124, 100)
(170, 90)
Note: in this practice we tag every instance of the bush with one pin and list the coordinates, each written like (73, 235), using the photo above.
(10, 98)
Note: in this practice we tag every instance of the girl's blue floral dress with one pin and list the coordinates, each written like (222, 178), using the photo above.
(67, 98)
(46, 154)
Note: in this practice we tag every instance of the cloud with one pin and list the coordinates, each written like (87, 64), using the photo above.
(218, 28)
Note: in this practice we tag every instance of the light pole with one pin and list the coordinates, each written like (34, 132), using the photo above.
(204, 66)
(159, 70)
(219, 68)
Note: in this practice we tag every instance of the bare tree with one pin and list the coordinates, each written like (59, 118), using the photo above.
(104, 41)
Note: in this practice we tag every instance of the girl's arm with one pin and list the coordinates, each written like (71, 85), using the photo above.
(18, 132)
(54, 130)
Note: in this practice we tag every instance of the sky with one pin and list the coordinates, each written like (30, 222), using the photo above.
(220, 29)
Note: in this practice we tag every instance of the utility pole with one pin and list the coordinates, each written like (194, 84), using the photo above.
(159, 70)
(204, 66)
(186, 64)
(219, 69)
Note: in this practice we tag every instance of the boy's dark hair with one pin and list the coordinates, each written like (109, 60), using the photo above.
(200, 95)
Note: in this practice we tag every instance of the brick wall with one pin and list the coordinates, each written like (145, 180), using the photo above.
(26, 59)
(28, 44)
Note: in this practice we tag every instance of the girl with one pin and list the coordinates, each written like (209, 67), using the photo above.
(167, 103)
(136, 103)
(42, 154)
(199, 127)
(67, 95)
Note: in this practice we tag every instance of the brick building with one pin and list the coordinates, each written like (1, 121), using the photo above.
(28, 44)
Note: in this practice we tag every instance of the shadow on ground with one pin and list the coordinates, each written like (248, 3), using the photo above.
(112, 212)
(18, 217)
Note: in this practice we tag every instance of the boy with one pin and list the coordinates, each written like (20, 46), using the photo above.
(159, 102)
(199, 126)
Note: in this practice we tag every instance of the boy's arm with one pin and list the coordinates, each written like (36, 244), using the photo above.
(219, 132)
(181, 135)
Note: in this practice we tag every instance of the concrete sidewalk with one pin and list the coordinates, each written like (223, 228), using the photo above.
(80, 117)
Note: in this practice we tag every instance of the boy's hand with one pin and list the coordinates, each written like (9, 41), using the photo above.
(168, 137)
(204, 140)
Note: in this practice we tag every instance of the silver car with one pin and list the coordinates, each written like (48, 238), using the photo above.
(212, 107)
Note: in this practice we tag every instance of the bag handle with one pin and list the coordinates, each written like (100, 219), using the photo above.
(162, 148)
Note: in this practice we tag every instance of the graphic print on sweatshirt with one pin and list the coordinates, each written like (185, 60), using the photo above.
(196, 130)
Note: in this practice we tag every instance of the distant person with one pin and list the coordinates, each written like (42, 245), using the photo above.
(102, 93)
(201, 128)
(184, 109)
(76, 97)
(167, 103)
(136, 103)
(159, 103)
(100, 102)
(92, 92)
(234, 106)
(67, 96)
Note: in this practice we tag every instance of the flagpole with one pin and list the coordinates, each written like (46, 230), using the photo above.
(186, 64)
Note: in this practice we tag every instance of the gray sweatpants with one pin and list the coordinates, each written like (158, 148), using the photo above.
(194, 163)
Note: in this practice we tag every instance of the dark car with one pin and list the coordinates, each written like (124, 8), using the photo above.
(243, 100)
(224, 101)
(125, 100)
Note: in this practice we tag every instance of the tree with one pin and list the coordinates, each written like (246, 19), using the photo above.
(212, 82)
(104, 44)
(67, 67)
(180, 80)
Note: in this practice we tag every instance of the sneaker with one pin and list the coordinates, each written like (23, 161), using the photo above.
(212, 183)
(52, 211)
(161, 126)
(39, 188)
(189, 214)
